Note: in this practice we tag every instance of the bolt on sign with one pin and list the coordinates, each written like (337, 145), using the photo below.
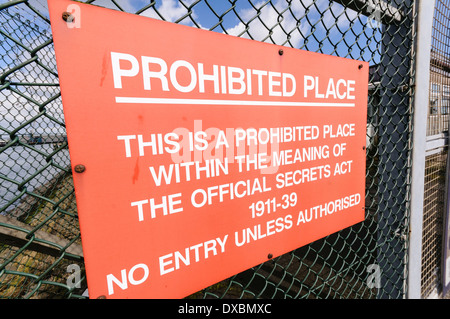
(197, 155)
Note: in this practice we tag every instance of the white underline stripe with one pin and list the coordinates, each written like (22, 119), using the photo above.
(146, 100)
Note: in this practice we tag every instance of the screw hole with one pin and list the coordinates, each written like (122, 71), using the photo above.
(79, 168)
(68, 17)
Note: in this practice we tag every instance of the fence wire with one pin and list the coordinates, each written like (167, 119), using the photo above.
(40, 254)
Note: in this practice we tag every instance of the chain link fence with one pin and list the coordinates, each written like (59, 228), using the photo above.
(436, 151)
(40, 254)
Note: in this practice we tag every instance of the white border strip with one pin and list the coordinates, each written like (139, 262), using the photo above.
(423, 25)
(146, 100)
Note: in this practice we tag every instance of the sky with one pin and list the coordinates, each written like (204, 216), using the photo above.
(328, 28)
(322, 15)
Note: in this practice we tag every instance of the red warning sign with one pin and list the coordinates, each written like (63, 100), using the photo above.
(204, 154)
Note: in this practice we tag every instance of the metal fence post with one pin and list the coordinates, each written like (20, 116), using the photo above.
(424, 25)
